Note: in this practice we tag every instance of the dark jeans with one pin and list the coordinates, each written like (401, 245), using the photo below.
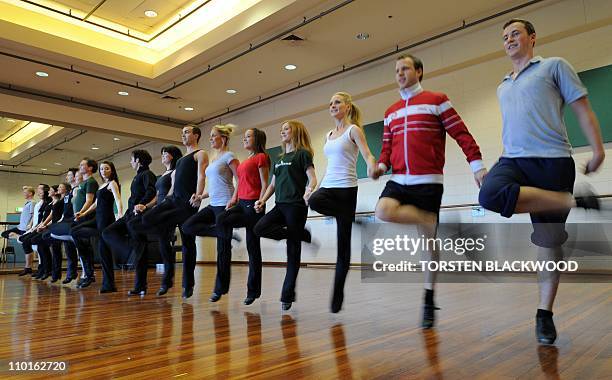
(163, 220)
(286, 221)
(204, 223)
(241, 215)
(339, 203)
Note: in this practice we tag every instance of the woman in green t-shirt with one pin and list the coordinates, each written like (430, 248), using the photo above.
(293, 182)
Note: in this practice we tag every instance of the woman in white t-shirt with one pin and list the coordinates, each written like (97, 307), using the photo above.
(337, 194)
(220, 173)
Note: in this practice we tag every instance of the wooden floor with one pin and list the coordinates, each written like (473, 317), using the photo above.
(485, 331)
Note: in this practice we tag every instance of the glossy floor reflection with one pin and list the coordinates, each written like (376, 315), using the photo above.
(484, 331)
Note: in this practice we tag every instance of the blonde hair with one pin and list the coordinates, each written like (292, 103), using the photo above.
(299, 137)
(225, 130)
(29, 189)
(354, 113)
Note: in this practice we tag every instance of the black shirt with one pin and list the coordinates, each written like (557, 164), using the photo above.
(57, 210)
(185, 177)
(68, 210)
(142, 190)
(163, 185)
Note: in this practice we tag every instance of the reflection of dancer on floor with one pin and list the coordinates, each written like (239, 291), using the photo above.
(415, 129)
(221, 172)
(252, 183)
(293, 182)
(536, 171)
(337, 195)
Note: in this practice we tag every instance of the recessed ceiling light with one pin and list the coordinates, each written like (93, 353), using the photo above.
(151, 13)
(290, 67)
(231, 91)
(123, 93)
(362, 36)
(116, 139)
(43, 169)
(1, 165)
(42, 74)
(57, 163)
(10, 120)
(188, 108)
(95, 147)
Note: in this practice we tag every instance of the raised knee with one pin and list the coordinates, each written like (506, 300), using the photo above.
(384, 212)
(487, 198)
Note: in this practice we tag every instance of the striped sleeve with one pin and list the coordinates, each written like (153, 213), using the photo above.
(454, 126)
(385, 152)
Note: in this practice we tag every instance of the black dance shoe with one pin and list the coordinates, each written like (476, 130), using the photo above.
(545, 330)
(214, 297)
(25, 271)
(249, 300)
(429, 317)
(137, 292)
(285, 306)
(187, 292)
(108, 290)
(163, 290)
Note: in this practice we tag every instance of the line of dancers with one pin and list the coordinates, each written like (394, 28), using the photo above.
(534, 175)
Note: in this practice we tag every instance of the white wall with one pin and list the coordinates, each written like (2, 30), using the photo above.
(11, 194)
(468, 68)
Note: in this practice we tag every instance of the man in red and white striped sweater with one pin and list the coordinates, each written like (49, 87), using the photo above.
(414, 139)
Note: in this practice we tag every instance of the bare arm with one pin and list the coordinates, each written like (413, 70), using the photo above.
(264, 174)
(202, 158)
(45, 223)
(114, 188)
(312, 183)
(89, 210)
(259, 205)
(89, 200)
(359, 138)
(591, 130)
(171, 191)
(234, 167)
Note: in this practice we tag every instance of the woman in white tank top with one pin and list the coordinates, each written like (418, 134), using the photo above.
(337, 195)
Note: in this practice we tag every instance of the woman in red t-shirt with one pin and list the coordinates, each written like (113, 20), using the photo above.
(252, 183)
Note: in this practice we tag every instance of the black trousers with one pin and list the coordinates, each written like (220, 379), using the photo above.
(82, 232)
(5, 234)
(64, 228)
(26, 242)
(117, 237)
(82, 235)
(341, 204)
(56, 254)
(163, 220)
(138, 238)
(204, 223)
(286, 221)
(44, 253)
(241, 215)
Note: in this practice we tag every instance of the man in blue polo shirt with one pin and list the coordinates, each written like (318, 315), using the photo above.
(536, 171)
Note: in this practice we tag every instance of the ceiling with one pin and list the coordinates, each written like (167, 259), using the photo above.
(246, 53)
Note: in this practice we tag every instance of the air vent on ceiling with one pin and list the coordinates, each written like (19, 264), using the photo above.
(293, 37)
